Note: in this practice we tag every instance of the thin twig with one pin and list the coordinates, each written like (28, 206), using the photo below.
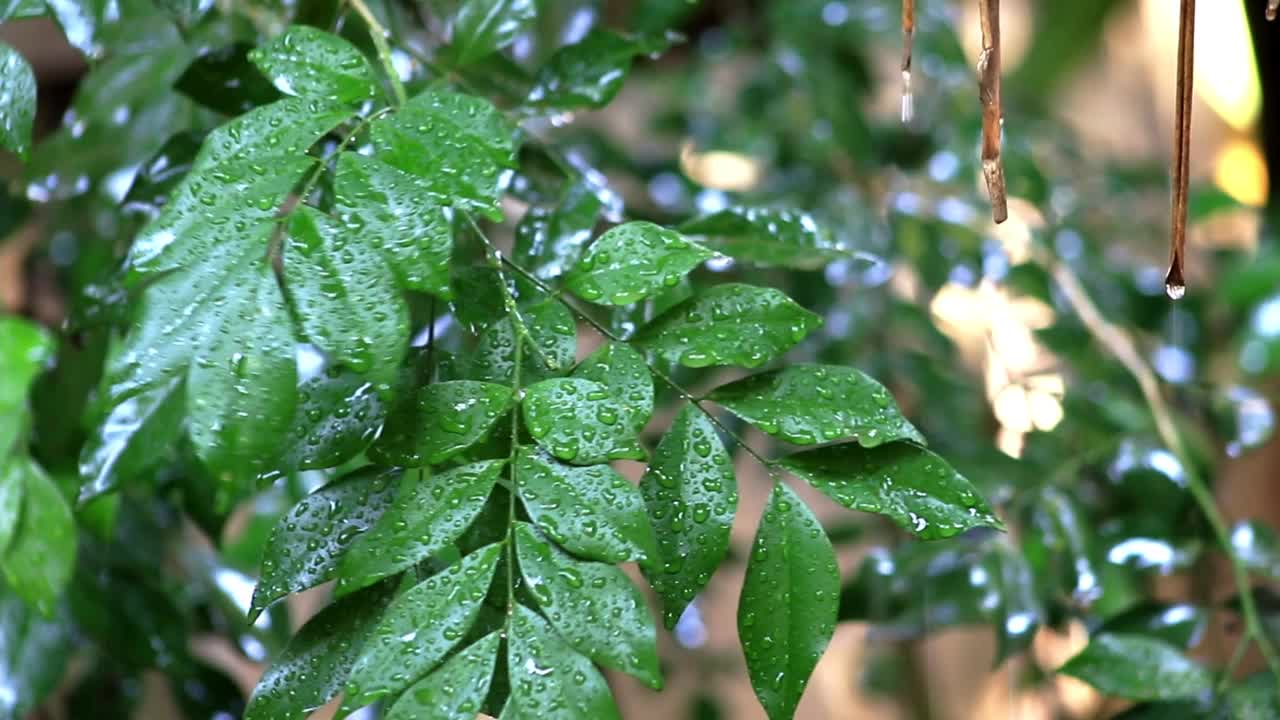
(1121, 346)
(989, 93)
(379, 35)
(1174, 284)
(908, 35)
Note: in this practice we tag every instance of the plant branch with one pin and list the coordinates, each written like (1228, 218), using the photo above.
(989, 94)
(1116, 342)
(1174, 284)
(379, 35)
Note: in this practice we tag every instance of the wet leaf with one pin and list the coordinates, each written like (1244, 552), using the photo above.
(787, 610)
(1258, 546)
(550, 241)
(307, 62)
(224, 80)
(338, 415)
(691, 497)
(429, 513)
(442, 420)
(42, 553)
(33, 656)
(314, 667)
(483, 26)
(580, 421)
(1138, 668)
(25, 348)
(729, 324)
(592, 511)
(458, 144)
(548, 679)
(767, 236)
(161, 173)
(551, 327)
(810, 404)
(345, 296)
(1257, 698)
(13, 483)
(912, 486)
(419, 629)
(308, 541)
(1180, 625)
(590, 72)
(399, 215)
(633, 261)
(455, 690)
(624, 372)
(1019, 613)
(592, 605)
(18, 108)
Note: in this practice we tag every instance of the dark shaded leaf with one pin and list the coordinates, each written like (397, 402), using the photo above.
(337, 416)
(590, 72)
(223, 79)
(1180, 625)
(767, 236)
(33, 656)
(442, 420)
(482, 26)
(549, 242)
(1258, 546)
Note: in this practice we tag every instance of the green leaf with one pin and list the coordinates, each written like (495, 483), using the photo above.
(458, 144)
(440, 421)
(1206, 200)
(593, 606)
(454, 691)
(136, 435)
(420, 628)
(1138, 668)
(429, 513)
(691, 496)
(18, 110)
(625, 374)
(345, 297)
(13, 483)
(910, 485)
(314, 666)
(25, 348)
(240, 389)
(307, 62)
(729, 324)
(1180, 625)
(399, 215)
(33, 656)
(810, 404)
(224, 80)
(549, 242)
(548, 679)
(607, 520)
(767, 236)
(21, 9)
(1019, 613)
(590, 72)
(552, 329)
(1258, 546)
(633, 261)
(338, 415)
(787, 611)
(41, 556)
(308, 541)
(580, 421)
(483, 26)
(1257, 698)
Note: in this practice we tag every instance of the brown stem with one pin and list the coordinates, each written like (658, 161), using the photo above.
(989, 92)
(908, 35)
(1174, 284)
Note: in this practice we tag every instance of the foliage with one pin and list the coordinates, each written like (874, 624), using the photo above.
(293, 309)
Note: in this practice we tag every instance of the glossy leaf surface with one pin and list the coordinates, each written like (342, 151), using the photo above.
(482, 26)
(590, 72)
(580, 421)
(18, 104)
(766, 236)
(1138, 668)
(548, 679)
(442, 420)
(455, 690)
(633, 261)
(549, 326)
(42, 552)
(307, 62)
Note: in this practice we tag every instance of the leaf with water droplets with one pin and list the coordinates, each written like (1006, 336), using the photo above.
(419, 629)
(767, 236)
(307, 62)
(811, 404)
(1258, 546)
(315, 665)
(33, 659)
(1138, 668)
(551, 327)
(590, 72)
(430, 512)
(624, 372)
(441, 420)
(592, 511)
(579, 421)
(338, 415)
(455, 690)
(483, 26)
(593, 606)
(38, 562)
(345, 296)
(633, 261)
(691, 495)
(729, 324)
(17, 102)
(136, 434)
(25, 349)
(459, 145)
(907, 483)
(224, 80)
(548, 679)
(787, 610)
(397, 214)
(549, 241)
(307, 542)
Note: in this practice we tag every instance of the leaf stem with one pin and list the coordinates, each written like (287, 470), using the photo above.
(378, 34)
(1121, 346)
(511, 469)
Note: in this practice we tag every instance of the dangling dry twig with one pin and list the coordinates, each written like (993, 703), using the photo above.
(908, 34)
(1273, 8)
(1174, 284)
(989, 92)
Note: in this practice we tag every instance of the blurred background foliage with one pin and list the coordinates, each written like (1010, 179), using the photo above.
(771, 104)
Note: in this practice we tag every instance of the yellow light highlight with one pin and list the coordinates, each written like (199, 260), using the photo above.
(1226, 78)
(720, 169)
(1241, 172)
